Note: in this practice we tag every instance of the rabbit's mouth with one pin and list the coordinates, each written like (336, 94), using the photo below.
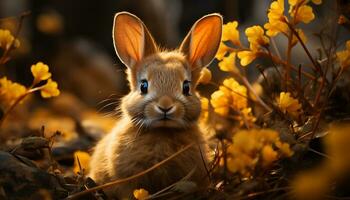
(165, 122)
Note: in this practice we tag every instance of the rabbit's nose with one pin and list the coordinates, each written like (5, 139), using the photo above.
(165, 110)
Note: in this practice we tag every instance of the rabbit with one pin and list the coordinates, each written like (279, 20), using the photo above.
(160, 114)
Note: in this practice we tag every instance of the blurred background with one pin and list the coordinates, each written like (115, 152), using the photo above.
(74, 37)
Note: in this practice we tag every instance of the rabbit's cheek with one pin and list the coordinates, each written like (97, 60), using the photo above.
(192, 108)
(150, 112)
(179, 111)
(133, 104)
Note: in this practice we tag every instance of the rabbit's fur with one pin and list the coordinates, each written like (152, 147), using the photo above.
(146, 134)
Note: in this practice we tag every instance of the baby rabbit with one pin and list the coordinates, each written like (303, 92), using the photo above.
(159, 115)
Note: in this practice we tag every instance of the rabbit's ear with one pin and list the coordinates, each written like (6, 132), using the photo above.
(131, 38)
(202, 42)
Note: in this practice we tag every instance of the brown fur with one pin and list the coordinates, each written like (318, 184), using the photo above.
(141, 138)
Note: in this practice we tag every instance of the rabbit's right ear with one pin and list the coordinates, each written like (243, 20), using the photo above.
(131, 38)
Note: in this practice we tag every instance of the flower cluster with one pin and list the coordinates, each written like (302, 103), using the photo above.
(230, 34)
(288, 104)
(344, 56)
(232, 96)
(276, 18)
(299, 11)
(257, 39)
(7, 39)
(252, 148)
(12, 93)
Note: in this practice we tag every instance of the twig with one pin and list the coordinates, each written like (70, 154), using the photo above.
(315, 64)
(274, 46)
(224, 153)
(18, 100)
(289, 56)
(249, 196)
(319, 153)
(249, 86)
(204, 162)
(123, 180)
(7, 51)
(159, 193)
(284, 63)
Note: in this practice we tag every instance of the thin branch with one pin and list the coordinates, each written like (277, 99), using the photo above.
(315, 64)
(249, 86)
(3, 59)
(284, 63)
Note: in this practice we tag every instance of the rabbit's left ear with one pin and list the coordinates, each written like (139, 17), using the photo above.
(131, 38)
(203, 40)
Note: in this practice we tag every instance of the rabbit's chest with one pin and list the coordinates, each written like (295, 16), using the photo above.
(146, 152)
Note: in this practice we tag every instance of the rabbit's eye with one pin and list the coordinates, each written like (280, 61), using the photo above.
(144, 86)
(186, 88)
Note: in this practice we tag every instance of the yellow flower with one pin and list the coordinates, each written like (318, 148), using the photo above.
(251, 147)
(275, 27)
(205, 76)
(6, 39)
(301, 35)
(284, 148)
(10, 91)
(230, 33)
(337, 147)
(246, 57)
(311, 185)
(244, 141)
(40, 72)
(256, 37)
(344, 56)
(228, 64)
(238, 93)
(304, 14)
(141, 194)
(84, 159)
(221, 51)
(246, 117)
(205, 109)
(50, 89)
(275, 15)
(276, 10)
(288, 104)
(220, 100)
(242, 164)
(231, 95)
(268, 155)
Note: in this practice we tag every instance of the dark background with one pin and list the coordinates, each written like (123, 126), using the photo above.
(74, 36)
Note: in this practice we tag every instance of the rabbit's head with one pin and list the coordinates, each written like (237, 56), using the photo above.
(163, 83)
